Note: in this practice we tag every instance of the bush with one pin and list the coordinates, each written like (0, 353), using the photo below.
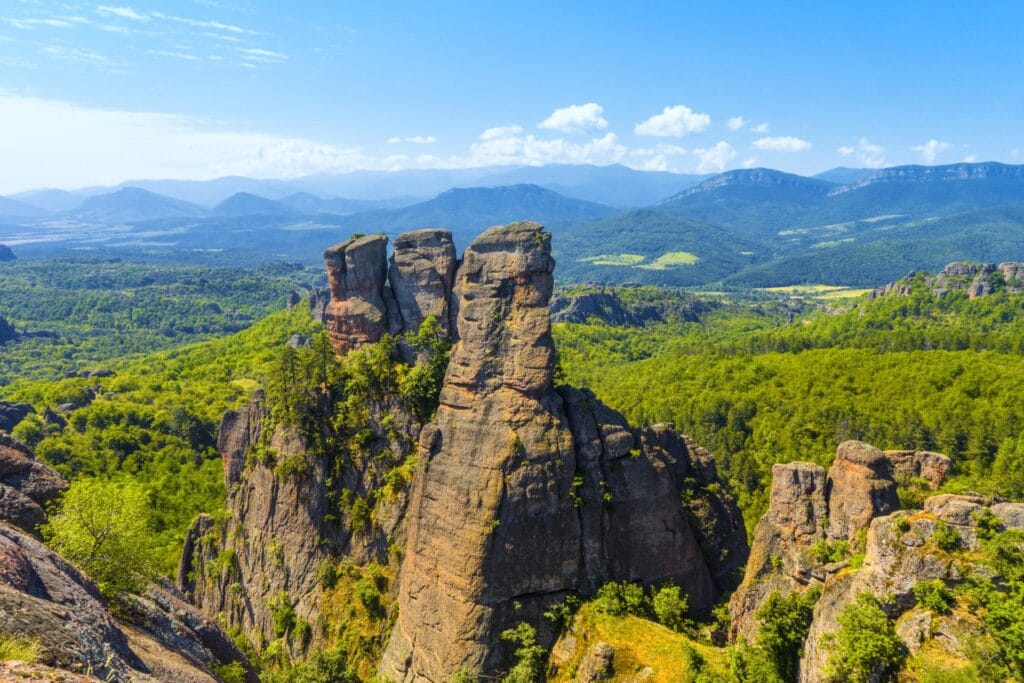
(946, 537)
(934, 595)
(784, 622)
(103, 527)
(866, 646)
(830, 551)
(231, 673)
(671, 608)
(618, 599)
(283, 612)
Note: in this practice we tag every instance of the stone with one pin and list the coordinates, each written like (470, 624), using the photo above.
(524, 493)
(914, 628)
(860, 487)
(6, 254)
(597, 665)
(932, 467)
(291, 300)
(796, 518)
(362, 308)
(11, 414)
(422, 274)
(318, 300)
(27, 486)
(239, 431)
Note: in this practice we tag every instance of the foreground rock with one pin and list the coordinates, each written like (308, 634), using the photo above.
(46, 600)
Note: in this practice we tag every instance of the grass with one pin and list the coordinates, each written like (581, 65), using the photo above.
(640, 643)
(614, 259)
(18, 649)
(818, 291)
(672, 259)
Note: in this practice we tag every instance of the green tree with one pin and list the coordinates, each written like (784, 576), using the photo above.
(529, 666)
(866, 646)
(103, 527)
(784, 621)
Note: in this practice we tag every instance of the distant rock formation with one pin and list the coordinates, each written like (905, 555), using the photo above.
(522, 493)
(6, 254)
(7, 331)
(977, 279)
(809, 506)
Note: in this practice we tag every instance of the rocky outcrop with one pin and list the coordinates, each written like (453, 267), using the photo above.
(7, 331)
(926, 465)
(318, 300)
(46, 600)
(860, 487)
(796, 518)
(525, 494)
(6, 254)
(361, 306)
(808, 506)
(521, 494)
(13, 413)
(422, 274)
(608, 305)
(977, 279)
(899, 554)
(239, 431)
(26, 485)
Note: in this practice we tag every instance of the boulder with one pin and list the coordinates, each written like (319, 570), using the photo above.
(12, 413)
(597, 664)
(26, 485)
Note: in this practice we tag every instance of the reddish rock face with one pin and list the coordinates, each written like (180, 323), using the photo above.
(860, 487)
(359, 307)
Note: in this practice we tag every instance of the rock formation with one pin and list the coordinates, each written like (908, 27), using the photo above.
(160, 638)
(521, 494)
(977, 279)
(6, 254)
(808, 506)
(26, 485)
(13, 413)
(7, 331)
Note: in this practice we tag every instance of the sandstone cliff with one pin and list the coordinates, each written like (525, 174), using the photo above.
(521, 492)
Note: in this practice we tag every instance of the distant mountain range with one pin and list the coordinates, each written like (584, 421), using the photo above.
(751, 227)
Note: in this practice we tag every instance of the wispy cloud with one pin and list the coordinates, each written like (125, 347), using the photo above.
(75, 55)
(51, 22)
(760, 128)
(576, 118)
(122, 12)
(784, 143)
(500, 132)
(202, 23)
(736, 123)
(261, 56)
(185, 56)
(412, 139)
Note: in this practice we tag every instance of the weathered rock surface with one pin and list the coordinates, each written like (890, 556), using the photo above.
(932, 467)
(239, 431)
(13, 413)
(525, 494)
(45, 599)
(361, 304)
(796, 518)
(895, 560)
(26, 485)
(422, 274)
(860, 487)
(597, 664)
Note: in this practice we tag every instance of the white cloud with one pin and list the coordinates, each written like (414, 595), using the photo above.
(32, 23)
(971, 158)
(785, 143)
(715, 159)
(173, 54)
(867, 153)
(576, 118)
(533, 151)
(413, 139)
(230, 28)
(122, 12)
(500, 132)
(750, 162)
(760, 128)
(260, 56)
(931, 149)
(736, 122)
(673, 122)
(74, 55)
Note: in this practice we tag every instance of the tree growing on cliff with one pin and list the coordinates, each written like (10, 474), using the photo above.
(784, 621)
(103, 527)
(866, 646)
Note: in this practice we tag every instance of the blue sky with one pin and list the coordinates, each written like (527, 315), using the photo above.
(99, 92)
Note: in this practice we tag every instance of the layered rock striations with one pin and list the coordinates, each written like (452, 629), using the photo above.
(522, 493)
